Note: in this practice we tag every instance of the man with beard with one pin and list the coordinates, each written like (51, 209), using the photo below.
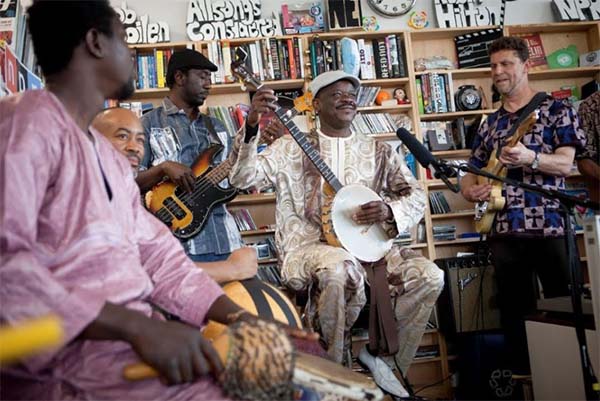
(528, 234)
(75, 240)
(124, 130)
(176, 134)
(334, 278)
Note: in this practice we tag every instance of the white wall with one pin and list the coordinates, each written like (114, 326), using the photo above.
(174, 12)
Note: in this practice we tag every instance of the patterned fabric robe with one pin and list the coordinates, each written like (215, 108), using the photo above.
(334, 278)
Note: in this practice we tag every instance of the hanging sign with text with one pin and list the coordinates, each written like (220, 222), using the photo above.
(140, 30)
(228, 19)
(576, 10)
(461, 13)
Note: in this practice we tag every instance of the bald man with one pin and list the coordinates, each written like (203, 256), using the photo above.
(124, 130)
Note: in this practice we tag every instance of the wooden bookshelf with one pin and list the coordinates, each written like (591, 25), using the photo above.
(418, 44)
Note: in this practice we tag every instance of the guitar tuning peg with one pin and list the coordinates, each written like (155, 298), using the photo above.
(243, 86)
(329, 60)
(307, 51)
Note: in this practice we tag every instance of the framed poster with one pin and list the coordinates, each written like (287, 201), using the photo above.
(344, 14)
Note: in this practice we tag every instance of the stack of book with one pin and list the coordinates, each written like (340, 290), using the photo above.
(269, 273)
(403, 238)
(435, 93)
(373, 123)
(379, 58)
(444, 232)
(233, 117)
(367, 95)
(152, 68)
(243, 219)
(438, 203)
(268, 59)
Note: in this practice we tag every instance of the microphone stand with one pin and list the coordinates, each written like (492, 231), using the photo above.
(442, 170)
(567, 204)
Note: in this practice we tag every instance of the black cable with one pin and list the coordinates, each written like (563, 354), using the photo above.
(434, 384)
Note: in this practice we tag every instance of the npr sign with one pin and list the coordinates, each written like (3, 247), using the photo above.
(576, 10)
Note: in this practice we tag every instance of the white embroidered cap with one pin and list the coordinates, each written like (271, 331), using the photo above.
(331, 77)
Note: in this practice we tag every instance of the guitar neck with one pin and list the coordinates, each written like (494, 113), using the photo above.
(220, 172)
(313, 155)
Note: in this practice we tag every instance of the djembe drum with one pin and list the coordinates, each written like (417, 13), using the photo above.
(261, 364)
(258, 358)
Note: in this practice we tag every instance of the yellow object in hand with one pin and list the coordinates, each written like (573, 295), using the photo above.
(29, 337)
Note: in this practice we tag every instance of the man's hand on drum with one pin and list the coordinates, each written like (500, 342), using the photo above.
(373, 212)
(177, 351)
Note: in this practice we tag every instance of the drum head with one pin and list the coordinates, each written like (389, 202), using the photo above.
(323, 375)
(366, 243)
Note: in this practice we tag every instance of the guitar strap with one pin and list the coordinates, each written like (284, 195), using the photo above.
(525, 111)
(210, 127)
(383, 337)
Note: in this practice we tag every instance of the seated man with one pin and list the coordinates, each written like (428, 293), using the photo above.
(124, 130)
(75, 240)
(337, 278)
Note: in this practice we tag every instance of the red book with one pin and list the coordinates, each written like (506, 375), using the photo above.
(537, 55)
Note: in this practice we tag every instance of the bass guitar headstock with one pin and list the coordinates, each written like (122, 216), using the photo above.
(238, 68)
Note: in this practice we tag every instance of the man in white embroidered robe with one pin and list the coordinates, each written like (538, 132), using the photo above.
(335, 279)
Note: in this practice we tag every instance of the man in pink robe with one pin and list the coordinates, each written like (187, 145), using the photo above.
(75, 240)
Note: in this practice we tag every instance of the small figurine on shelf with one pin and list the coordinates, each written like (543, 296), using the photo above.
(400, 96)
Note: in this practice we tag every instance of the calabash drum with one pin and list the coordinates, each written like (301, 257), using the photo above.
(261, 364)
(260, 299)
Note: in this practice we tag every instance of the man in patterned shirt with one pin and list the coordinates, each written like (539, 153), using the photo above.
(528, 235)
(588, 161)
(334, 278)
(176, 134)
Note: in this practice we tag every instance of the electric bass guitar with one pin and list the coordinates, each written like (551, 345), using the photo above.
(368, 243)
(485, 212)
(186, 213)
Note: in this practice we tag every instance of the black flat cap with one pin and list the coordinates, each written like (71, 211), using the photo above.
(188, 58)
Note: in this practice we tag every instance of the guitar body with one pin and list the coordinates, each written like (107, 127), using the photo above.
(184, 213)
(485, 212)
(368, 243)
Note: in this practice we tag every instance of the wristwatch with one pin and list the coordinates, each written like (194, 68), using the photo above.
(536, 161)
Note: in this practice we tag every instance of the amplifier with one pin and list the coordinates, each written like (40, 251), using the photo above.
(468, 301)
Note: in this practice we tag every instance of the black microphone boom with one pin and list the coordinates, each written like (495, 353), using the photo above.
(425, 158)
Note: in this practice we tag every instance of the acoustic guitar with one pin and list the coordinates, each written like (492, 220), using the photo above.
(485, 212)
(368, 243)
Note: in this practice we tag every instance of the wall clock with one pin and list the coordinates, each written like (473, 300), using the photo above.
(391, 8)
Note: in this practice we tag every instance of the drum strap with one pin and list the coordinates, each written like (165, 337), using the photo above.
(383, 338)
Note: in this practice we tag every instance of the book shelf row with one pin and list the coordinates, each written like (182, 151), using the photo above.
(382, 121)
